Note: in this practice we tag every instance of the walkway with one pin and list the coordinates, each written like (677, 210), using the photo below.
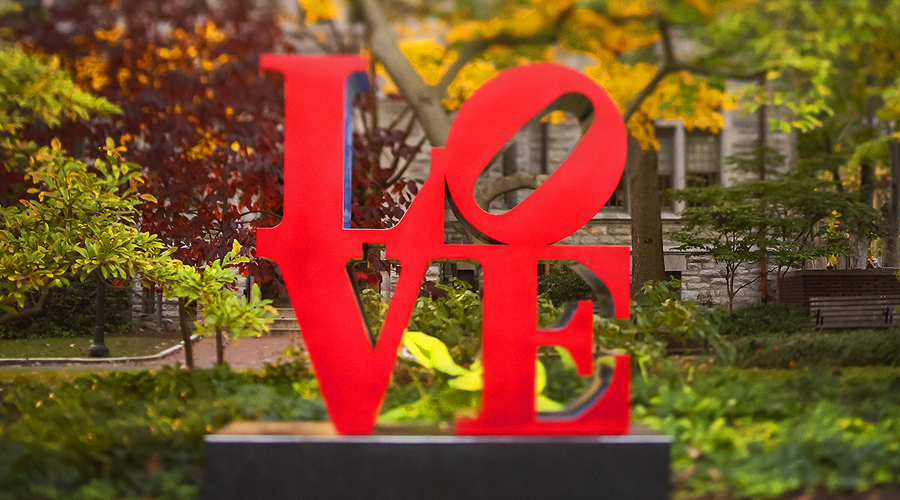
(244, 353)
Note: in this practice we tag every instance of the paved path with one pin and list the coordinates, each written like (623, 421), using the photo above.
(248, 352)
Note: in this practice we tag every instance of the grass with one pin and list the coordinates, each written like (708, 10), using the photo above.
(136, 344)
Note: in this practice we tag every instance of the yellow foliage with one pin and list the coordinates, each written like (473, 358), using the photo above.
(702, 6)
(679, 96)
(630, 8)
(112, 35)
(593, 32)
(168, 54)
(555, 117)
(429, 58)
(122, 76)
(469, 78)
(431, 61)
(92, 69)
(520, 21)
(204, 147)
(211, 33)
(318, 9)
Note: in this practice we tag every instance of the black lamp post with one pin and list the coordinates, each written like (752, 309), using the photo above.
(98, 349)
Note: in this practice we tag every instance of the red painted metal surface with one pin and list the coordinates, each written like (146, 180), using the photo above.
(312, 246)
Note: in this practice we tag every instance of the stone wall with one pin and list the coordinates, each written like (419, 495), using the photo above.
(145, 308)
(149, 308)
(702, 279)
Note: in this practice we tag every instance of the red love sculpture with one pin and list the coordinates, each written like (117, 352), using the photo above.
(313, 244)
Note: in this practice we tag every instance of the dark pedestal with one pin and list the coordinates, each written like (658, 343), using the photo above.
(422, 467)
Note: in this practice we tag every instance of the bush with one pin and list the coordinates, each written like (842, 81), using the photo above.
(131, 434)
(659, 318)
(454, 317)
(766, 318)
(759, 434)
(562, 285)
(71, 311)
(851, 348)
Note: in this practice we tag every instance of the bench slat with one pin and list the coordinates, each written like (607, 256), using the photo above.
(874, 311)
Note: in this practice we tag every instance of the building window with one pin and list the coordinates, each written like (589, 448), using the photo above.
(702, 159)
(617, 199)
(665, 164)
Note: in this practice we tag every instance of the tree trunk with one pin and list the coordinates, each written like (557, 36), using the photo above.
(98, 348)
(762, 126)
(185, 334)
(646, 224)
(220, 348)
(891, 243)
(159, 308)
(31, 311)
(422, 98)
(867, 197)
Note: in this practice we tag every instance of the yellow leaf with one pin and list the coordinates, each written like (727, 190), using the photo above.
(235, 247)
(55, 144)
(235, 146)
(318, 9)
(149, 197)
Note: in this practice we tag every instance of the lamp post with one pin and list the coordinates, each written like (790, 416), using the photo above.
(98, 349)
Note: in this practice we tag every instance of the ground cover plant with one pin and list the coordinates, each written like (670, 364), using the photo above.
(768, 433)
(849, 348)
(737, 433)
(130, 435)
(764, 319)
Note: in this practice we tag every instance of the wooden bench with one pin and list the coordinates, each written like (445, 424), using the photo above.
(855, 312)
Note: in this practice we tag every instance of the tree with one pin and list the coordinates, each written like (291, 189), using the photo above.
(70, 222)
(205, 122)
(791, 220)
(34, 93)
(80, 225)
(834, 67)
(212, 290)
(78, 220)
(196, 112)
(483, 39)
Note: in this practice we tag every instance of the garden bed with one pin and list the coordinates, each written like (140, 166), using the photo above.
(785, 434)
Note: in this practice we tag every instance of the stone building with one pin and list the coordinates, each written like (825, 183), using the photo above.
(686, 158)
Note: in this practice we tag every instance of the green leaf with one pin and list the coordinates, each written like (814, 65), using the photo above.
(472, 380)
(431, 353)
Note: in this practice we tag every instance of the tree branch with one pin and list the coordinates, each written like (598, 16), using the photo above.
(671, 64)
(424, 101)
(705, 71)
(31, 311)
(472, 48)
(485, 194)
(645, 92)
(668, 51)
(399, 173)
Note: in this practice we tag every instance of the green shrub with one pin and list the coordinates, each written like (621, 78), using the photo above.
(766, 318)
(131, 434)
(562, 285)
(454, 318)
(659, 319)
(764, 434)
(71, 311)
(850, 348)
